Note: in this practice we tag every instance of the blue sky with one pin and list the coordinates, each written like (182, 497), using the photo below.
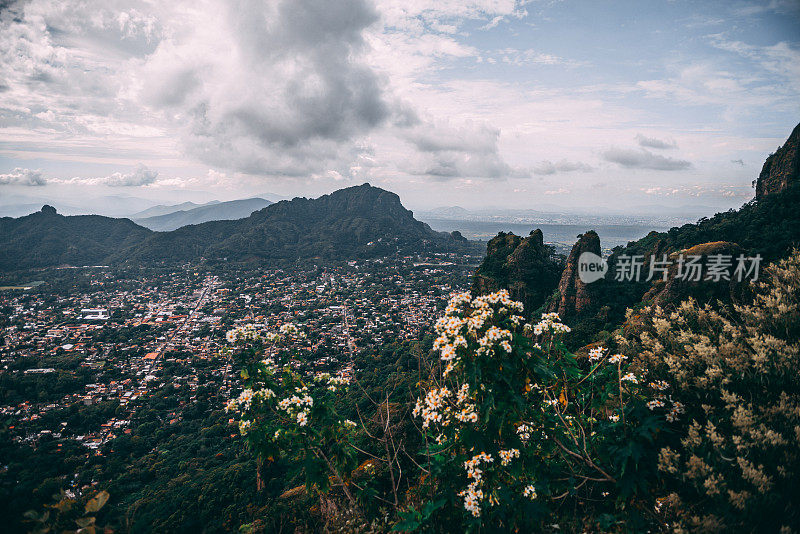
(473, 103)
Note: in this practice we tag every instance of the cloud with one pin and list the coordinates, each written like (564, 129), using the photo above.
(530, 56)
(23, 177)
(447, 151)
(707, 190)
(739, 162)
(440, 137)
(654, 142)
(141, 176)
(282, 87)
(138, 177)
(632, 158)
(547, 167)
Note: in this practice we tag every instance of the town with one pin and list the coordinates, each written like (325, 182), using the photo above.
(79, 358)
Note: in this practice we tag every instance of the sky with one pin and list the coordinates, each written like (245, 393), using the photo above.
(602, 105)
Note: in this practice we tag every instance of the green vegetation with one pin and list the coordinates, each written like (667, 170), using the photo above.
(356, 222)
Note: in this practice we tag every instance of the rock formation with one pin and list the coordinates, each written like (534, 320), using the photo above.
(781, 168)
(574, 296)
(526, 267)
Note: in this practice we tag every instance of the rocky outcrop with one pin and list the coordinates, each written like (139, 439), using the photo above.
(526, 267)
(781, 168)
(575, 297)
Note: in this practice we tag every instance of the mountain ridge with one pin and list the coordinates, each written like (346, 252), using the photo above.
(355, 222)
(213, 211)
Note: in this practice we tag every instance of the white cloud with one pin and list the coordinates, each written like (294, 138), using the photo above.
(655, 142)
(140, 176)
(23, 177)
(698, 191)
(632, 158)
(547, 167)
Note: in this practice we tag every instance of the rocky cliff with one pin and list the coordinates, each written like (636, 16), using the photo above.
(574, 296)
(781, 168)
(526, 267)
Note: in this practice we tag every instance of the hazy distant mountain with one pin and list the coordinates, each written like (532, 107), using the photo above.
(164, 209)
(45, 238)
(272, 197)
(117, 205)
(217, 211)
(16, 205)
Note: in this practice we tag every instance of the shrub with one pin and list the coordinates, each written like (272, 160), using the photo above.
(734, 461)
(520, 432)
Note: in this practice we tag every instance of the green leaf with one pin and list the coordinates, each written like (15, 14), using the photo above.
(410, 521)
(97, 502)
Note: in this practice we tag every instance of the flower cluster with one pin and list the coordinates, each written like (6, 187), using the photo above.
(246, 398)
(434, 407)
(524, 432)
(596, 354)
(290, 329)
(617, 358)
(550, 322)
(441, 408)
(675, 411)
(507, 455)
(242, 334)
(529, 492)
(467, 320)
(331, 382)
(297, 406)
(474, 494)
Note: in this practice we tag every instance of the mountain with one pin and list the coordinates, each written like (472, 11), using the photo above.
(218, 211)
(116, 205)
(781, 168)
(359, 221)
(163, 209)
(272, 197)
(46, 239)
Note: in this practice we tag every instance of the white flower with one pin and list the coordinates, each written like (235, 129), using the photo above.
(617, 358)
(244, 426)
(302, 418)
(448, 353)
(508, 455)
(655, 403)
(613, 418)
(596, 353)
(660, 385)
(529, 491)
(630, 377)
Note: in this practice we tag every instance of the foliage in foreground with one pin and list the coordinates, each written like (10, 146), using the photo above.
(735, 461)
(692, 424)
